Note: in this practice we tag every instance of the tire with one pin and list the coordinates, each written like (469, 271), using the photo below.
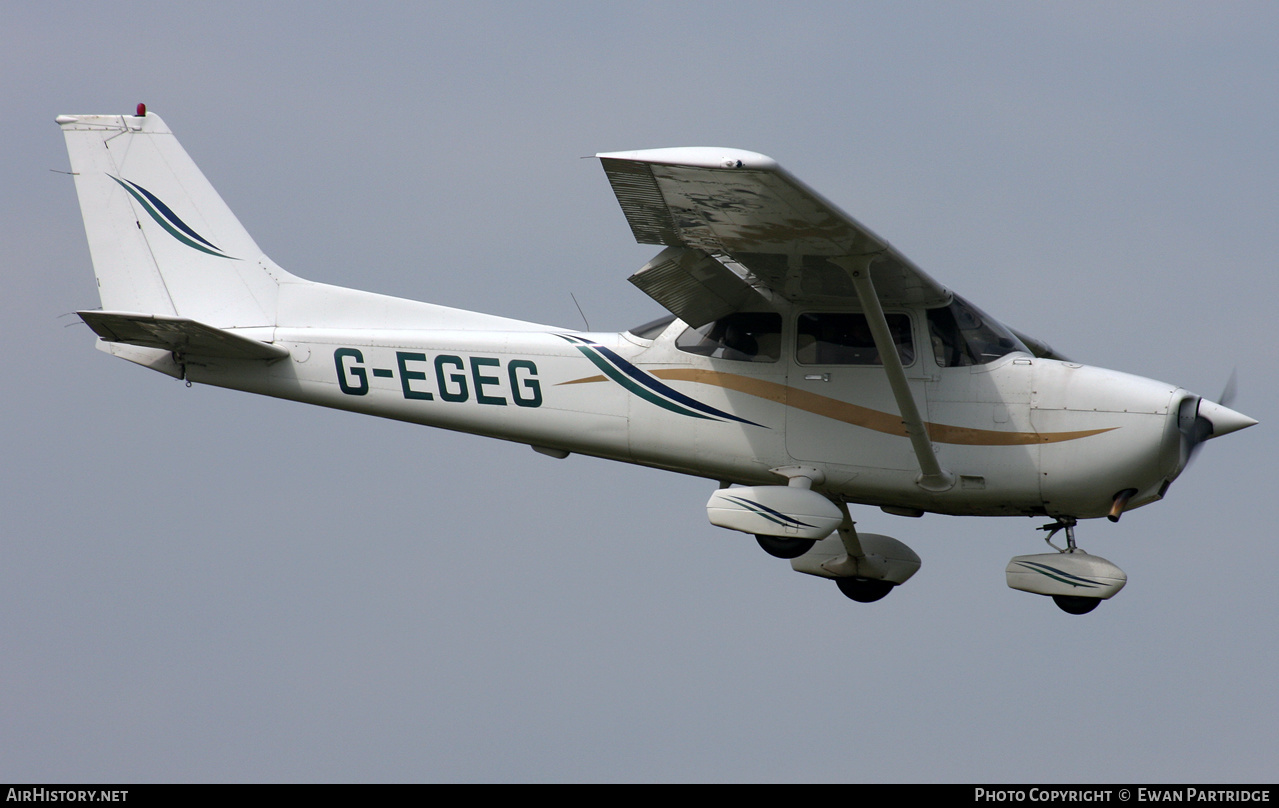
(1072, 604)
(778, 547)
(864, 590)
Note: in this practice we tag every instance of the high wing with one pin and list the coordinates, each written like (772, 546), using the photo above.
(744, 208)
(716, 208)
(712, 205)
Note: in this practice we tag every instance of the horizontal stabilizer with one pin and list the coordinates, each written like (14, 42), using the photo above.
(178, 334)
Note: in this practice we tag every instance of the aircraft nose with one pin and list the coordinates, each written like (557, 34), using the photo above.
(1199, 420)
(1223, 419)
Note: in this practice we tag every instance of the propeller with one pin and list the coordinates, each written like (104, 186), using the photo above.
(1199, 419)
(1228, 392)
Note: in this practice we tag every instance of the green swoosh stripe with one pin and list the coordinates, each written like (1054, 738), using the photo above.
(630, 385)
(163, 221)
(1058, 575)
(774, 516)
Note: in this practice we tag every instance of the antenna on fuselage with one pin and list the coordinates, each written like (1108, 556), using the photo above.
(579, 311)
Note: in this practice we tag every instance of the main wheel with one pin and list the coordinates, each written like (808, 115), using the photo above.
(779, 547)
(864, 590)
(1072, 604)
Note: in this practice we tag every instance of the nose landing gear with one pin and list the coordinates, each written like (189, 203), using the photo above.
(1076, 581)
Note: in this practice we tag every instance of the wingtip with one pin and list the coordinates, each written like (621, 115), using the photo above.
(696, 157)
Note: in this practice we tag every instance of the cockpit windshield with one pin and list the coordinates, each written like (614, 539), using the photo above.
(652, 329)
(963, 335)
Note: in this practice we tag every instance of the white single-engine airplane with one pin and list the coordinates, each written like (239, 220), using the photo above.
(806, 363)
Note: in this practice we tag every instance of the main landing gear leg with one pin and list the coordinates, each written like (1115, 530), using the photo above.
(1071, 604)
(857, 587)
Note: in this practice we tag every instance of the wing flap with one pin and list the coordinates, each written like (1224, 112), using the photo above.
(694, 286)
(179, 335)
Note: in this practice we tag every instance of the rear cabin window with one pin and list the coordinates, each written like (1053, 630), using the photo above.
(844, 338)
(963, 335)
(744, 336)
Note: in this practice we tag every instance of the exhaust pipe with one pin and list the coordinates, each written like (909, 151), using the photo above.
(1121, 502)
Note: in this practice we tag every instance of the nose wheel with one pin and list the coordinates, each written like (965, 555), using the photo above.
(1076, 581)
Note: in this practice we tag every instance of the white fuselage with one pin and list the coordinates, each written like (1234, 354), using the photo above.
(1022, 435)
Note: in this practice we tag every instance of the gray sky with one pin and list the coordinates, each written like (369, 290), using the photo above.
(200, 585)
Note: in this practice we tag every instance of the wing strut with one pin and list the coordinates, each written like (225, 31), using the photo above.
(932, 476)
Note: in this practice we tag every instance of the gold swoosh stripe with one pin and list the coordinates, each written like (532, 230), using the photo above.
(587, 380)
(863, 416)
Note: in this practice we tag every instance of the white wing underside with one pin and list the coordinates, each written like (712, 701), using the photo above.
(742, 207)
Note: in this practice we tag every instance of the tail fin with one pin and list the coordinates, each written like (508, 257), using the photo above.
(162, 240)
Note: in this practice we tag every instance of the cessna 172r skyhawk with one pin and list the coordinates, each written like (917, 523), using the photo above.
(806, 365)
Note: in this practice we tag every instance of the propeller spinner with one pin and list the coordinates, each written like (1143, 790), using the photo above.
(1199, 419)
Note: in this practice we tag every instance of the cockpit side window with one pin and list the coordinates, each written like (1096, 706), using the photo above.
(963, 335)
(844, 338)
(745, 336)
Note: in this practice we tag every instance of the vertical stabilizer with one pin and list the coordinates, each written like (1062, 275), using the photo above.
(161, 238)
